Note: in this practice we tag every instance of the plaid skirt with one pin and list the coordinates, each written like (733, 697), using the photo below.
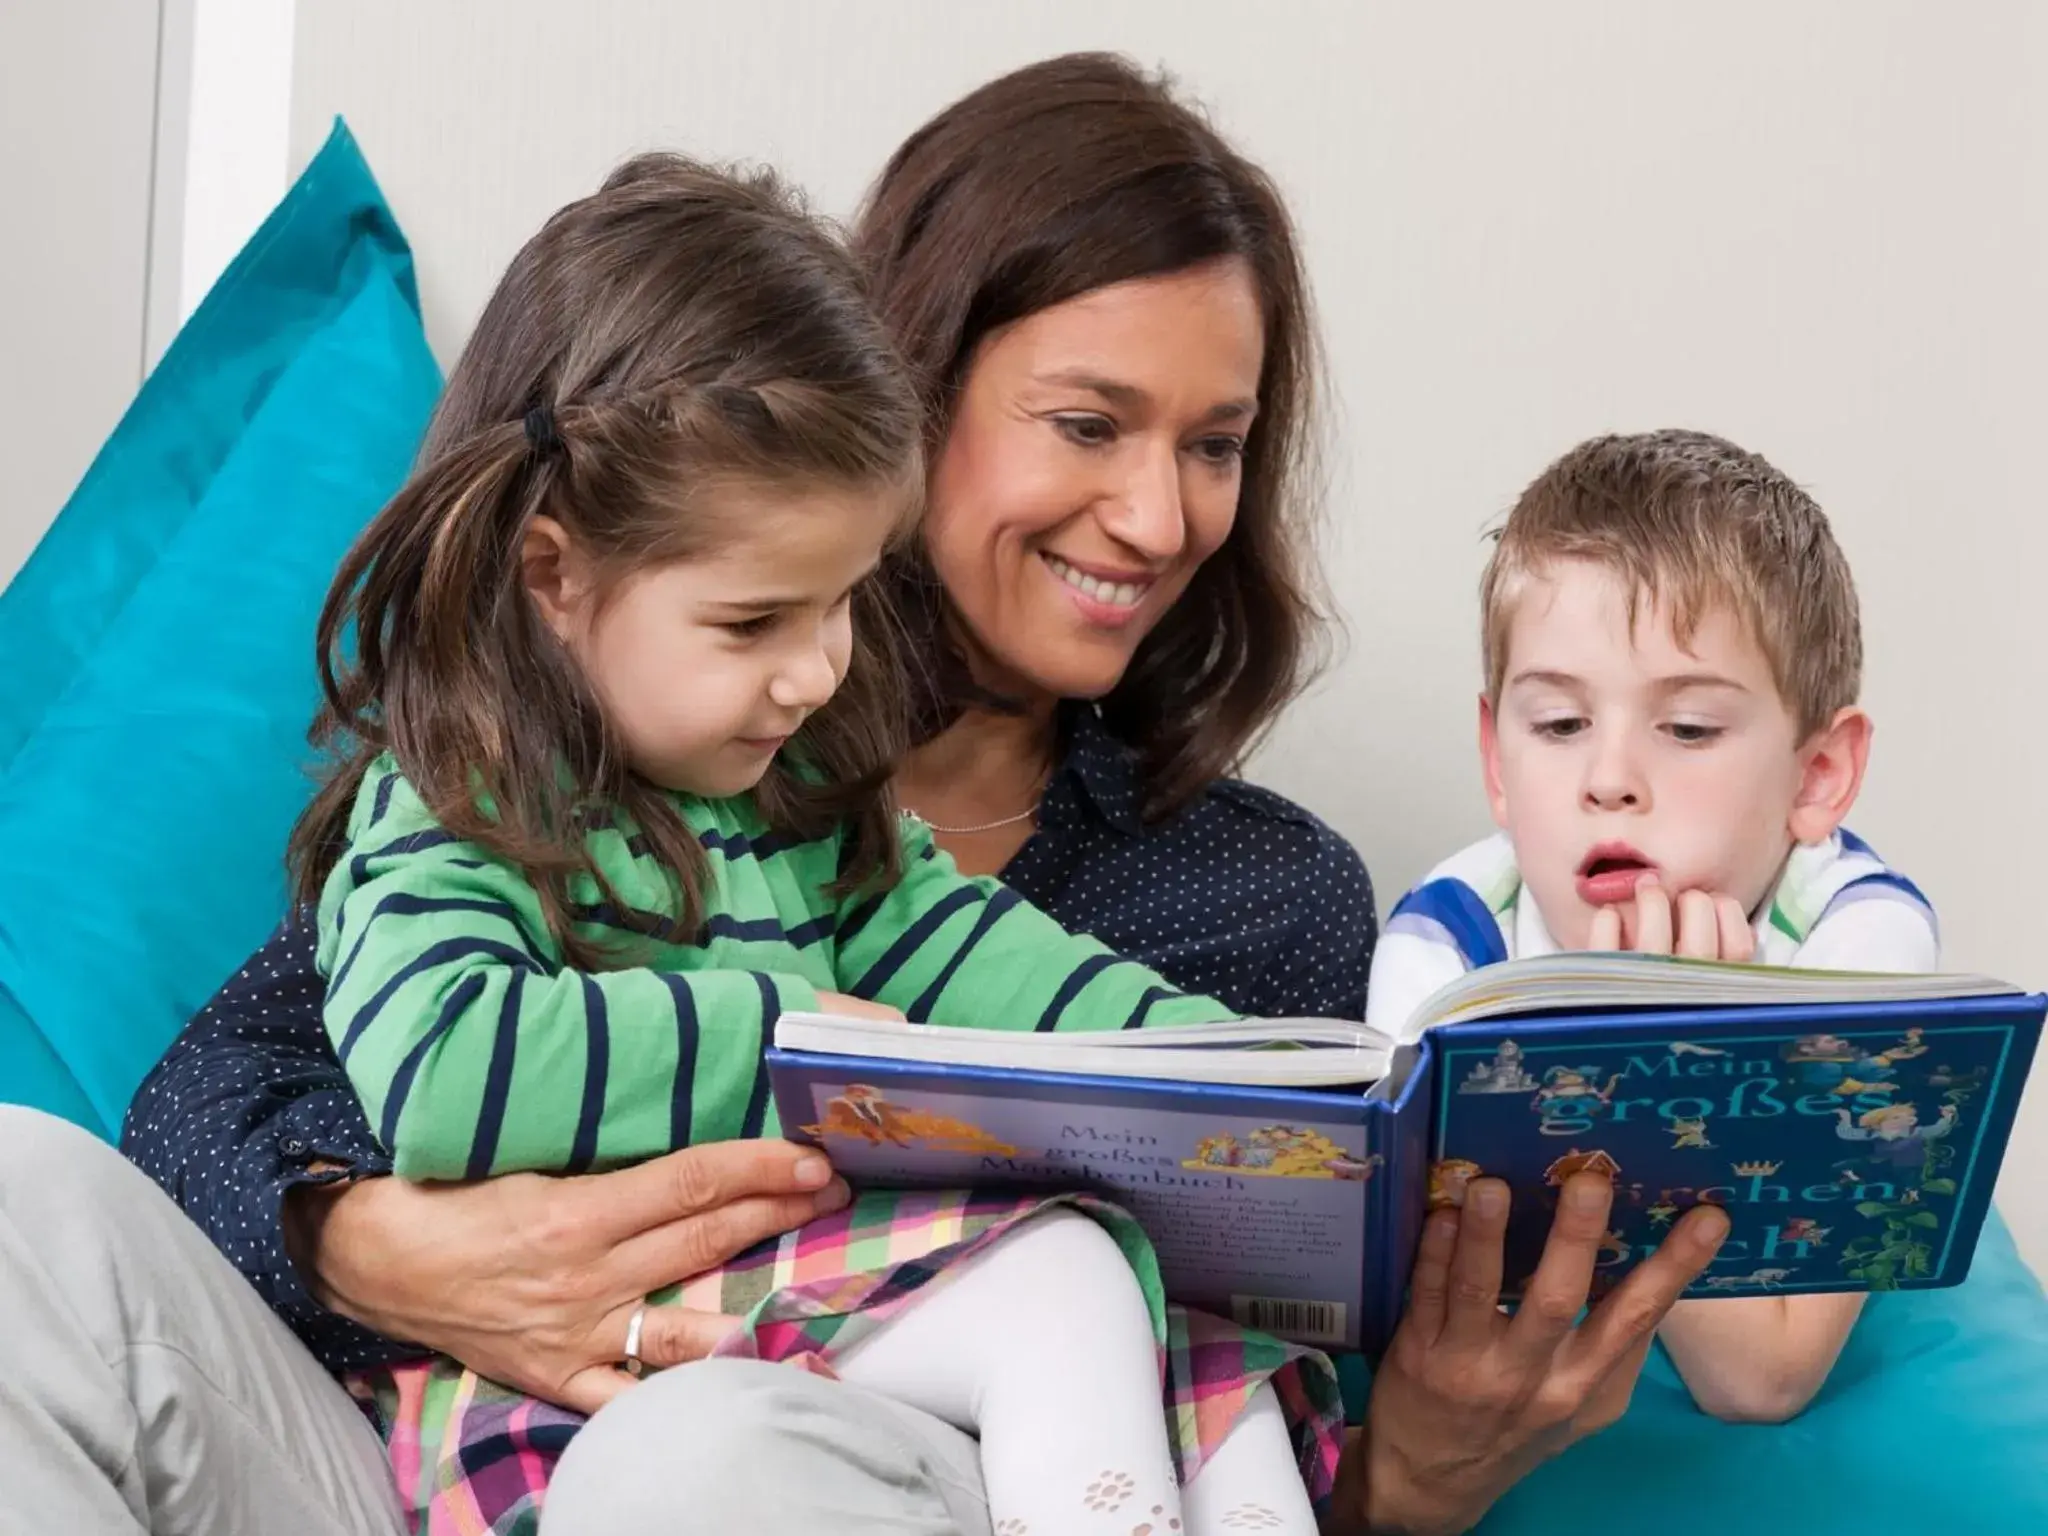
(473, 1458)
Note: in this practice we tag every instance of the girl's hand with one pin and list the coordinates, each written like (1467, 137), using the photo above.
(530, 1279)
(856, 1007)
(1699, 925)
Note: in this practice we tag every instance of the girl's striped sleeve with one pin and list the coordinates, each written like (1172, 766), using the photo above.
(476, 1051)
(947, 949)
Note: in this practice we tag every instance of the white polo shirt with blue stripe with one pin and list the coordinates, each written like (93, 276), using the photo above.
(1837, 906)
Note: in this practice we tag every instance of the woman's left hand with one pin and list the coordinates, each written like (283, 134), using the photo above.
(532, 1280)
(1468, 1399)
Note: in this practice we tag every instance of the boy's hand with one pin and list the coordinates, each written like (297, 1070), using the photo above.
(1697, 924)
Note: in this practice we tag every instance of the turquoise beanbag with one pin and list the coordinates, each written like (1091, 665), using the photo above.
(1935, 1419)
(158, 646)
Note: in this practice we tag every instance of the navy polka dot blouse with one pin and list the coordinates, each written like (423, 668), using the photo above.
(1244, 896)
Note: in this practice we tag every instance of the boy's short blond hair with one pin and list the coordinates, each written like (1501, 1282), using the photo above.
(1693, 521)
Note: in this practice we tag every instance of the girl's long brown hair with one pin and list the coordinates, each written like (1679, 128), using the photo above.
(678, 334)
(1057, 179)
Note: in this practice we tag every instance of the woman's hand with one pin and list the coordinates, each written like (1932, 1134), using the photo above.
(530, 1280)
(1468, 1399)
(1699, 925)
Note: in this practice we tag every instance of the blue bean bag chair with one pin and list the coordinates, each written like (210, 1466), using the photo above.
(1935, 1417)
(158, 679)
(159, 668)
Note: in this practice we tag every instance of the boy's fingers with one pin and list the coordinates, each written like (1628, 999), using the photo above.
(1738, 940)
(1699, 927)
(1606, 934)
(1653, 919)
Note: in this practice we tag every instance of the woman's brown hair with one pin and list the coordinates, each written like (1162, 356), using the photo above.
(677, 334)
(1046, 184)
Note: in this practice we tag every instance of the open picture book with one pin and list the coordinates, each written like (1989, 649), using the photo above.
(1851, 1125)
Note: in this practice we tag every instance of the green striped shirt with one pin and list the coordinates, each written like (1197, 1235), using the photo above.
(476, 1051)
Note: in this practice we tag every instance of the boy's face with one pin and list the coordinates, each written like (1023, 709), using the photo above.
(1612, 755)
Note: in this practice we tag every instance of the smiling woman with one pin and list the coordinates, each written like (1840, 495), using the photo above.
(1117, 489)
(1112, 595)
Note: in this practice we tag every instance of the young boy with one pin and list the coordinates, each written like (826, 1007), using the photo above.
(1671, 741)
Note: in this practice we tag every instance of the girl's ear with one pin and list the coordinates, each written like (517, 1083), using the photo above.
(1830, 775)
(556, 576)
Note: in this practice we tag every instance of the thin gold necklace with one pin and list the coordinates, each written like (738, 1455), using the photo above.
(987, 826)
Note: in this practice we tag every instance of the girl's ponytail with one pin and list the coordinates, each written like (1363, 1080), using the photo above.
(433, 571)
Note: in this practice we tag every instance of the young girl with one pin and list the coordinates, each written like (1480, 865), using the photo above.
(615, 755)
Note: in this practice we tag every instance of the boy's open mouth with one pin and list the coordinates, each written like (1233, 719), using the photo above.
(1608, 874)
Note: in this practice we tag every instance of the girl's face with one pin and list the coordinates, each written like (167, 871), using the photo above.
(1092, 465)
(706, 667)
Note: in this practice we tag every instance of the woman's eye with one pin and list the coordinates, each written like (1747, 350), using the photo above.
(1222, 452)
(1561, 727)
(1086, 431)
(749, 629)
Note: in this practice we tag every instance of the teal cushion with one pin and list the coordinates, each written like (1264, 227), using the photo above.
(1935, 1418)
(152, 740)
(31, 1071)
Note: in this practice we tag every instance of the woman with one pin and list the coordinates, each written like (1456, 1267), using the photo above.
(1108, 306)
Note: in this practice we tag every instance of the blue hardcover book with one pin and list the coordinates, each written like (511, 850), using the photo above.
(1852, 1126)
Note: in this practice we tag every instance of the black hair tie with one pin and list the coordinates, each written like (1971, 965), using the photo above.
(540, 432)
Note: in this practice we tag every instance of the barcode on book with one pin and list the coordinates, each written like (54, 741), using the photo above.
(1309, 1322)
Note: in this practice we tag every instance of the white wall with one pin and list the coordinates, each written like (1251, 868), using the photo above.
(234, 81)
(77, 123)
(141, 143)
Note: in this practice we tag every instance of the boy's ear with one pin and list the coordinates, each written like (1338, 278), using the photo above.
(555, 574)
(1489, 757)
(1831, 775)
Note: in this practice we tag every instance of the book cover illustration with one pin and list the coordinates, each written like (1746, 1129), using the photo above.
(1253, 1198)
(1855, 1153)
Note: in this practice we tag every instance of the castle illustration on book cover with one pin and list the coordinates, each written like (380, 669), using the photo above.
(1843, 1160)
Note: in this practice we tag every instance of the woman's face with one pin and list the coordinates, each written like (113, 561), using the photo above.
(1093, 463)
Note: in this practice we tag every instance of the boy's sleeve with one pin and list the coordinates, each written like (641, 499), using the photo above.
(1452, 922)
(949, 950)
(1408, 967)
(1878, 923)
(475, 1051)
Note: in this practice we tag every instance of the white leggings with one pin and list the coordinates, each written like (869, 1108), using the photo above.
(1042, 1347)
